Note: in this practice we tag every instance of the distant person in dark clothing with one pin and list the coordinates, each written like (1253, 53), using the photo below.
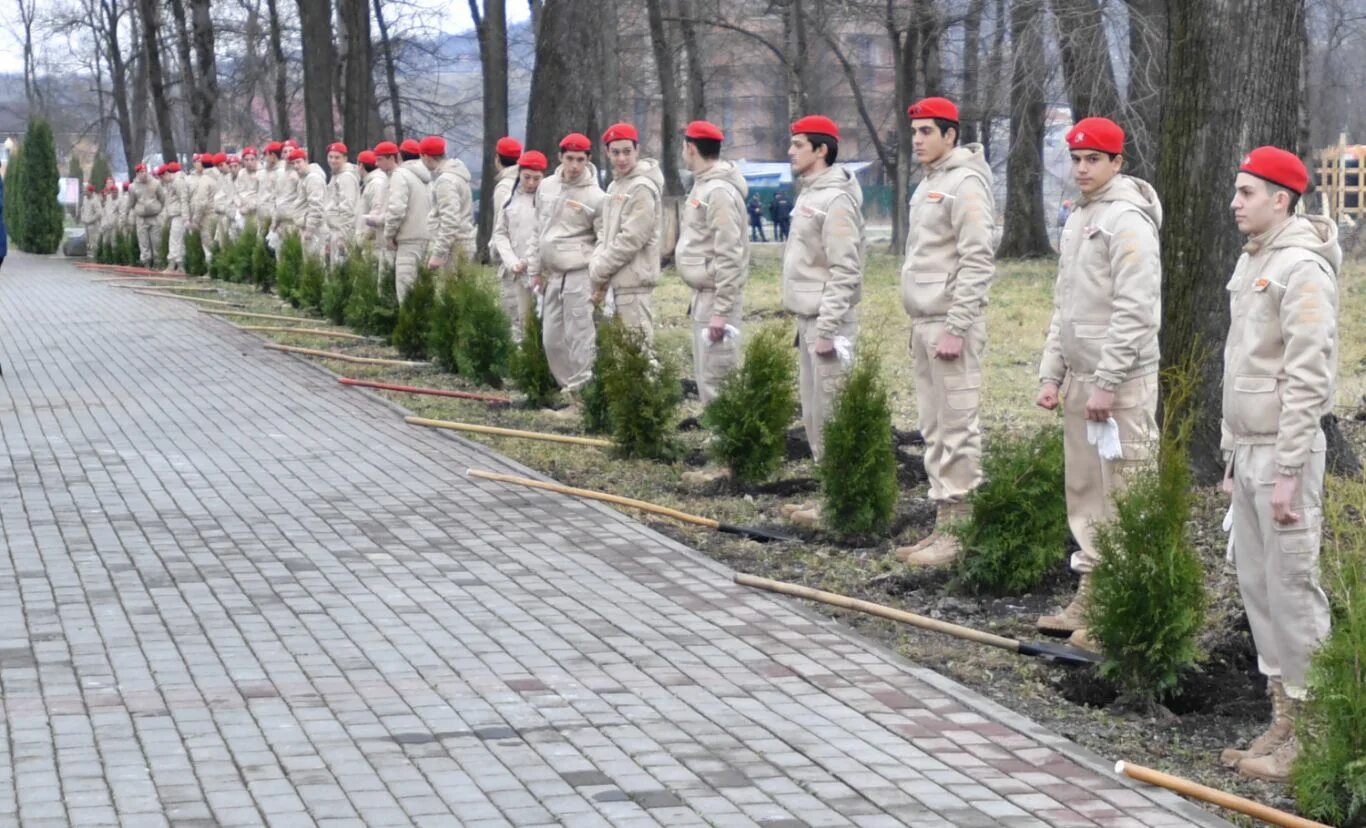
(780, 210)
(756, 219)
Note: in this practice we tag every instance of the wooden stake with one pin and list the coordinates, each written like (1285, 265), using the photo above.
(275, 346)
(246, 315)
(589, 494)
(431, 392)
(509, 432)
(178, 287)
(151, 292)
(309, 331)
(1214, 796)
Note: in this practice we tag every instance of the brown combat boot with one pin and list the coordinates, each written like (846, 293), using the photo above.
(1070, 619)
(904, 552)
(943, 550)
(1081, 639)
(701, 477)
(1276, 765)
(807, 518)
(789, 509)
(1282, 727)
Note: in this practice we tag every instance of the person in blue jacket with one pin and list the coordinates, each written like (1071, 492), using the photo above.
(4, 234)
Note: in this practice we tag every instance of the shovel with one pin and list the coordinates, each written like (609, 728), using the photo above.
(761, 535)
(1062, 653)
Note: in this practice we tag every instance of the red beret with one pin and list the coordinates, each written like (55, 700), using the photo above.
(291, 143)
(139, 168)
(705, 130)
(90, 188)
(941, 108)
(1100, 134)
(233, 159)
(127, 184)
(386, 148)
(432, 145)
(160, 170)
(508, 148)
(337, 146)
(620, 132)
(575, 142)
(220, 158)
(411, 146)
(249, 152)
(816, 125)
(197, 157)
(533, 160)
(366, 157)
(275, 147)
(298, 155)
(174, 166)
(1277, 166)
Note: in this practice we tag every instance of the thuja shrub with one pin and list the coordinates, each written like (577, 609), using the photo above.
(414, 316)
(858, 471)
(309, 290)
(195, 263)
(385, 314)
(129, 254)
(1016, 529)
(755, 404)
(529, 367)
(483, 333)
(289, 267)
(1329, 776)
(364, 298)
(164, 246)
(596, 411)
(642, 394)
(441, 331)
(263, 265)
(1147, 599)
(336, 291)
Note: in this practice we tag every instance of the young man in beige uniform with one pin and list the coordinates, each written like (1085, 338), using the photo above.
(513, 232)
(90, 217)
(203, 219)
(146, 203)
(712, 255)
(944, 282)
(822, 278)
(1280, 367)
(286, 190)
(248, 186)
(451, 220)
(309, 198)
(342, 203)
(568, 221)
(407, 203)
(626, 258)
(1101, 353)
(225, 199)
(177, 189)
(507, 154)
(373, 182)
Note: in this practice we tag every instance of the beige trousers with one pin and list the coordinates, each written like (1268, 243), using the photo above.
(207, 233)
(92, 239)
(818, 380)
(149, 237)
(1091, 482)
(175, 250)
(949, 393)
(407, 259)
(517, 299)
(633, 306)
(711, 361)
(567, 329)
(1278, 566)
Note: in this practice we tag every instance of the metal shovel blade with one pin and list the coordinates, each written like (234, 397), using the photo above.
(1063, 653)
(753, 533)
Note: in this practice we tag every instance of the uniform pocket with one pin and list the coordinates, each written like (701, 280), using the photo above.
(1258, 406)
(930, 277)
(1090, 331)
(963, 392)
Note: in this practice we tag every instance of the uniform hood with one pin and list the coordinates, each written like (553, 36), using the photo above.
(455, 167)
(509, 173)
(315, 167)
(589, 178)
(729, 173)
(1135, 191)
(648, 169)
(969, 156)
(419, 169)
(1317, 234)
(837, 178)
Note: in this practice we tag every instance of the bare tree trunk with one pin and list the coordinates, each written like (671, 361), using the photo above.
(315, 26)
(929, 32)
(280, 97)
(904, 69)
(1147, 71)
(1227, 89)
(611, 101)
(1026, 233)
(358, 86)
(138, 102)
(995, 58)
(697, 80)
(563, 93)
(794, 38)
(668, 88)
(492, 29)
(188, 82)
(390, 71)
(1086, 68)
(111, 12)
(971, 122)
(207, 129)
(32, 94)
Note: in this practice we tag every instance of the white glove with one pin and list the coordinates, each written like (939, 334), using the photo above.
(1105, 437)
(844, 349)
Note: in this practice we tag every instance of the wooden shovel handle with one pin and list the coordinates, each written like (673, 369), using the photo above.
(589, 494)
(1223, 799)
(890, 613)
(508, 432)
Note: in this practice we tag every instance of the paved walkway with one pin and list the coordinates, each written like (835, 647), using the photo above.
(233, 592)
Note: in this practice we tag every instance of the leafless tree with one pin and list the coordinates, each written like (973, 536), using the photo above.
(1026, 230)
(490, 24)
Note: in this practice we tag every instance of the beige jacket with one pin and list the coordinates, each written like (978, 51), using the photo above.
(713, 236)
(502, 191)
(823, 259)
(309, 197)
(145, 200)
(452, 212)
(286, 187)
(949, 263)
(225, 197)
(1107, 302)
(343, 201)
(627, 252)
(265, 195)
(569, 219)
(371, 203)
(201, 198)
(248, 191)
(177, 192)
(513, 231)
(407, 203)
(124, 209)
(1280, 358)
(90, 209)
